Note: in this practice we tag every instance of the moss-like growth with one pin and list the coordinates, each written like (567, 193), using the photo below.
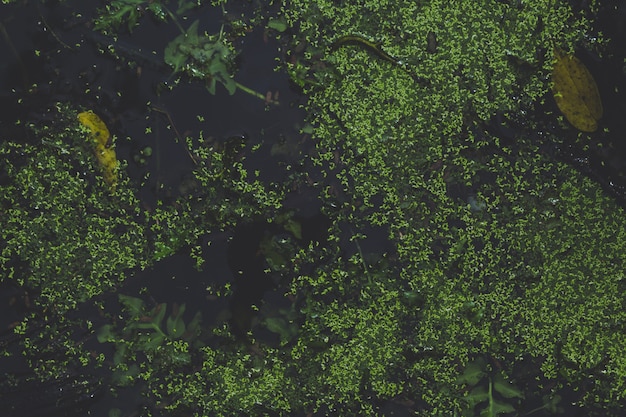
(498, 242)
(492, 249)
(66, 236)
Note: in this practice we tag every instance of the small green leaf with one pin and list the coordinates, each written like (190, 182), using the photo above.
(154, 341)
(162, 250)
(192, 33)
(133, 305)
(125, 377)
(194, 325)
(278, 325)
(176, 327)
(106, 334)
(294, 227)
(505, 388)
(175, 323)
(279, 24)
(211, 85)
(308, 129)
(496, 408)
(174, 58)
(230, 84)
(184, 6)
(158, 11)
(177, 51)
(120, 353)
(157, 318)
(114, 16)
(473, 373)
(551, 403)
(218, 69)
(115, 412)
(477, 396)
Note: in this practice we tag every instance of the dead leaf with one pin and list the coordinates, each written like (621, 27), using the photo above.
(575, 92)
(105, 153)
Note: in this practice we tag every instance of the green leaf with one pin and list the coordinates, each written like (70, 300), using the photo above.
(106, 334)
(163, 250)
(294, 227)
(221, 51)
(175, 323)
(477, 396)
(175, 59)
(279, 24)
(115, 412)
(177, 51)
(120, 353)
(218, 69)
(158, 11)
(115, 14)
(125, 376)
(308, 129)
(180, 358)
(194, 325)
(184, 6)
(141, 325)
(211, 85)
(473, 373)
(191, 36)
(280, 326)
(505, 388)
(157, 318)
(230, 84)
(133, 305)
(276, 325)
(496, 408)
(154, 341)
(274, 253)
(551, 403)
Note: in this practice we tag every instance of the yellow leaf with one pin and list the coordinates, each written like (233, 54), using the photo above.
(99, 131)
(104, 152)
(575, 92)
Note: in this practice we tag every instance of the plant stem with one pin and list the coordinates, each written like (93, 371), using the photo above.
(255, 93)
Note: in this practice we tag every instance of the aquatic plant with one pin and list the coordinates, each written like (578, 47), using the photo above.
(163, 339)
(507, 278)
(119, 12)
(200, 56)
(416, 280)
(204, 57)
(489, 394)
(60, 224)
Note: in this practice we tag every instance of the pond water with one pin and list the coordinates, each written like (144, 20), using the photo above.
(151, 112)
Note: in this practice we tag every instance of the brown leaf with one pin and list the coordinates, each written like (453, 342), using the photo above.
(575, 92)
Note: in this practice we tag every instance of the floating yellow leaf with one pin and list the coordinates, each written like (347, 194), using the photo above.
(99, 131)
(105, 154)
(575, 92)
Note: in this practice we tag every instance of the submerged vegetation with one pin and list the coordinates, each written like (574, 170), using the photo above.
(465, 271)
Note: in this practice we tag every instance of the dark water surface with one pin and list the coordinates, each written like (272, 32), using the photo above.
(136, 104)
(131, 95)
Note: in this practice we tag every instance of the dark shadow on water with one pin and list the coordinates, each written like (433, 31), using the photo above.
(248, 265)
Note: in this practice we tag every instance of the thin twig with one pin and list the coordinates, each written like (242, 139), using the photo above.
(180, 139)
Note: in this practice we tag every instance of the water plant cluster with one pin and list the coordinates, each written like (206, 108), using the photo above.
(455, 255)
